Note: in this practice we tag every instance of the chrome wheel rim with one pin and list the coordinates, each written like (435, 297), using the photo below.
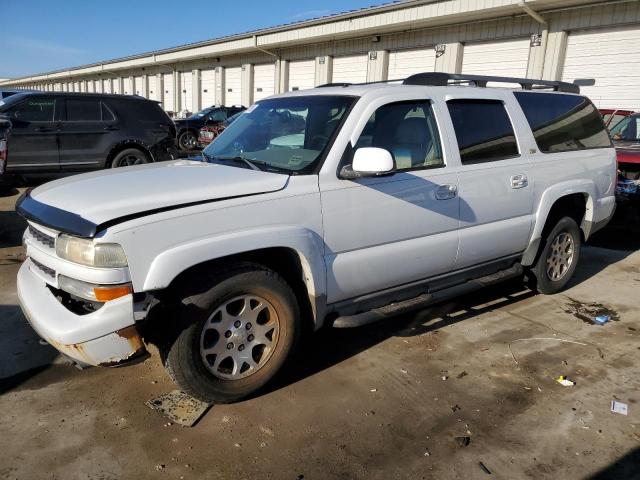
(130, 160)
(560, 256)
(239, 338)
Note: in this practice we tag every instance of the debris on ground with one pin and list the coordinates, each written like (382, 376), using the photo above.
(463, 441)
(484, 468)
(601, 319)
(619, 407)
(551, 339)
(160, 467)
(373, 390)
(444, 377)
(564, 381)
(462, 374)
(179, 407)
(455, 408)
(589, 312)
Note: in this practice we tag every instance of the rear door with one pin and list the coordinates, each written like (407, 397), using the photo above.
(495, 188)
(33, 141)
(87, 132)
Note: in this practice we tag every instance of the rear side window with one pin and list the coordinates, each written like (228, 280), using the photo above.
(83, 109)
(137, 110)
(483, 130)
(563, 123)
(34, 109)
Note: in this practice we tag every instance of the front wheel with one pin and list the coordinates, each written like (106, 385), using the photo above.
(236, 334)
(558, 258)
(187, 140)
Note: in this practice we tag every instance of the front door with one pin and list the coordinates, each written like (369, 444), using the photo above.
(496, 191)
(386, 231)
(86, 132)
(33, 142)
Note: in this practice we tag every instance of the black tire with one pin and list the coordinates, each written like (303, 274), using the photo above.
(551, 273)
(129, 157)
(186, 364)
(188, 140)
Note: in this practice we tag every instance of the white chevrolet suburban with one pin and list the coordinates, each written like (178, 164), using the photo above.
(332, 206)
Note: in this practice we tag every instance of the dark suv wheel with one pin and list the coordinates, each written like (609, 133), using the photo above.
(187, 140)
(236, 334)
(558, 258)
(129, 157)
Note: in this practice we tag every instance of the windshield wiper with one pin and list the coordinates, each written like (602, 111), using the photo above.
(259, 165)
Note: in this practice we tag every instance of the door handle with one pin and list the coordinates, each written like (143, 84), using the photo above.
(111, 129)
(446, 192)
(519, 181)
(43, 129)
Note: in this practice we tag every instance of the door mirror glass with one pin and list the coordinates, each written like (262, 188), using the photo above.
(369, 162)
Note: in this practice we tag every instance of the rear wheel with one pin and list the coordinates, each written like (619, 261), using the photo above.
(558, 258)
(187, 140)
(129, 157)
(237, 334)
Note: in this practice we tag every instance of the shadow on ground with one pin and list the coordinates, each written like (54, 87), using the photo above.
(625, 468)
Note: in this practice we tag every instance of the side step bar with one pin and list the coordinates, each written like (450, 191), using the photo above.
(426, 299)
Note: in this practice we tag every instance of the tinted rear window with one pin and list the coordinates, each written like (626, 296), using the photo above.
(83, 109)
(483, 130)
(138, 110)
(562, 123)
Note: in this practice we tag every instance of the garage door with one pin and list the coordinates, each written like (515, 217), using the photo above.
(302, 74)
(127, 86)
(153, 87)
(139, 86)
(504, 58)
(232, 86)
(186, 91)
(403, 63)
(208, 87)
(91, 86)
(106, 86)
(350, 69)
(263, 81)
(167, 80)
(116, 85)
(611, 58)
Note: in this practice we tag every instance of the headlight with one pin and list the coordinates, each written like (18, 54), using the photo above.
(85, 252)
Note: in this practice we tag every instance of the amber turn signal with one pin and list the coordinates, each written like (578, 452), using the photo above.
(104, 294)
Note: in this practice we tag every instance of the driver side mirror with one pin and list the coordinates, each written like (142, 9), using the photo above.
(369, 162)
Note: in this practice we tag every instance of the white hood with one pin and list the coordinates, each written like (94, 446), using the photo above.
(109, 194)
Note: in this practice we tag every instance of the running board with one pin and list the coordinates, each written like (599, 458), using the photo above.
(426, 299)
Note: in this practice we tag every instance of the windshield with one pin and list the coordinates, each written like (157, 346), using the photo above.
(202, 113)
(627, 129)
(284, 134)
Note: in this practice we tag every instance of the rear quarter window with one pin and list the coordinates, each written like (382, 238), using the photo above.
(563, 123)
(137, 110)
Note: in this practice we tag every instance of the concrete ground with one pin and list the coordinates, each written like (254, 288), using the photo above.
(463, 390)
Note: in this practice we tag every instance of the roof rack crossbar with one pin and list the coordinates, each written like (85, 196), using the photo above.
(443, 79)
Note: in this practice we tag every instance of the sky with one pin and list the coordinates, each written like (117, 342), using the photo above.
(43, 35)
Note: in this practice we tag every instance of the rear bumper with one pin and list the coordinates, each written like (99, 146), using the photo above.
(106, 337)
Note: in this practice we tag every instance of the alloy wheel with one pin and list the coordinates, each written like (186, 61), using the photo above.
(240, 337)
(560, 256)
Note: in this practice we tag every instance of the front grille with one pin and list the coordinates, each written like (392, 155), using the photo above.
(49, 272)
(42, 238)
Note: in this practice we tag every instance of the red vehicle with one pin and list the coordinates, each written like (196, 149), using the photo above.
(626, 138)
(208, 133)
(612, 116)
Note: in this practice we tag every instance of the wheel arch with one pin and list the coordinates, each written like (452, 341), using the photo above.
(129, 143)
(572, 199)
(298, 260)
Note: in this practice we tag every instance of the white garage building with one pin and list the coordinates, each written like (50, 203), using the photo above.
(549, 39)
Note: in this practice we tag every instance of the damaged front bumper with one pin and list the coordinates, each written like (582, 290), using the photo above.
(105, 337)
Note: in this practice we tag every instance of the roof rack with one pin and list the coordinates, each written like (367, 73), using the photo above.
(443, 79)
(340, 84)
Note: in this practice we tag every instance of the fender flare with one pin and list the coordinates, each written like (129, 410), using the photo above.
(130, 141)
(548, 198)
(307, 244)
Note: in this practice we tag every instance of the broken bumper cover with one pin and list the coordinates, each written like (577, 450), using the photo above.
(106, 337)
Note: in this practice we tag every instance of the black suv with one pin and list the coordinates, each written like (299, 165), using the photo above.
(188, 128)
(65, 132)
